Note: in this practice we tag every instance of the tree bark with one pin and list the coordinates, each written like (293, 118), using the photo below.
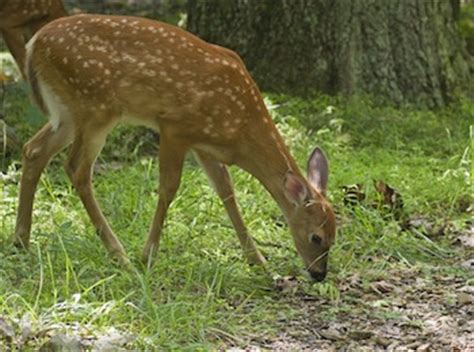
(403, 51)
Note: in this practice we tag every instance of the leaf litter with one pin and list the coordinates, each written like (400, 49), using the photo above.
(56, 329)
(406, 310)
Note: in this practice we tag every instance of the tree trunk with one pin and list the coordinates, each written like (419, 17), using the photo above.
(398, 50)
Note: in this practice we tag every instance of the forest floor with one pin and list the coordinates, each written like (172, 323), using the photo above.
(401, 271)
(406, 310)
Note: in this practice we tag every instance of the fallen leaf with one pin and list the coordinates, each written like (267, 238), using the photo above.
(382, 341)
(111, 341)
(63, 342)
(468, 264)
(423, 348)
(412, 345)
(25, 327)
(382, 287)
(390, 198)
(361, 334)
(467, 289)
(467, 240)
(418, 222)
(331, 334)
(465, 204)
(286, 284)
(465, 298)
(393, 346)
(6, 330)
(353, 194)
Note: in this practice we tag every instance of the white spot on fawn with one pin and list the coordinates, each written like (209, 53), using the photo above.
(149, 73)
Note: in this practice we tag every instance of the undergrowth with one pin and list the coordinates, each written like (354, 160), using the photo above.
(201, 294)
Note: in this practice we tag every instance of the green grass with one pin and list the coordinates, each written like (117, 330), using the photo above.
(201, 294)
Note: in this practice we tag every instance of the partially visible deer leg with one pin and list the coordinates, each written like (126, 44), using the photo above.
(37, 153)
(171, 158)
(14, 39)
(222, 182)
(88, 143)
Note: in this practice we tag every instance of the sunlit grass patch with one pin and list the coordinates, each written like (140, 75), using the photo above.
(201, 294)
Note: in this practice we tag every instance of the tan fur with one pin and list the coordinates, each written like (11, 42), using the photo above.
(20, 19)
(35, 89)
(93, 72)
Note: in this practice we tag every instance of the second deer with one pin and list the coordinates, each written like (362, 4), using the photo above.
(90, 72)
(20, 19)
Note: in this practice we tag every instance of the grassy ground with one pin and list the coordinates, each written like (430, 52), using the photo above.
(395, 281)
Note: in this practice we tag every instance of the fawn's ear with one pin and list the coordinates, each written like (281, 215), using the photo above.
(318, 170)
(295, 190)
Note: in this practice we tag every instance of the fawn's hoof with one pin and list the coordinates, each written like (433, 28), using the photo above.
(147, 259)
(255, 258)
(124, 261)
(121, 259)
(21, 242)
(149, 254)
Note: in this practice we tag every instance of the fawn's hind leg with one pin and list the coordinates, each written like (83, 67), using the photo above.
(37, 153)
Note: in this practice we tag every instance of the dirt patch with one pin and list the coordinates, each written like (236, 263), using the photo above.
(408, 311)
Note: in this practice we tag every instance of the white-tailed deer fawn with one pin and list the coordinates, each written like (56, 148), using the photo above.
(20, 19)
(90, 72)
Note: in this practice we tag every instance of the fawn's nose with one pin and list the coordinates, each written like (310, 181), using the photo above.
(318, 276)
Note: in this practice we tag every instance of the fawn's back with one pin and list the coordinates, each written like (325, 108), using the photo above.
(145, 72)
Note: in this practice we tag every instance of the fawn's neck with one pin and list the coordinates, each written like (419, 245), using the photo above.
(270, 162)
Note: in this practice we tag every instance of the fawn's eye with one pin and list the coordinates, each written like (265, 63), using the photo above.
(315, 239)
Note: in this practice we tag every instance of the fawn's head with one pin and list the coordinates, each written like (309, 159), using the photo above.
(312, 222)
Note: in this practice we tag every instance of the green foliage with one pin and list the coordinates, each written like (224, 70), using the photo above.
(466, 26)
(19, 112)
(358, 122)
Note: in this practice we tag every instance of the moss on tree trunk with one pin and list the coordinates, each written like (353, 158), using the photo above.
(399, 50)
